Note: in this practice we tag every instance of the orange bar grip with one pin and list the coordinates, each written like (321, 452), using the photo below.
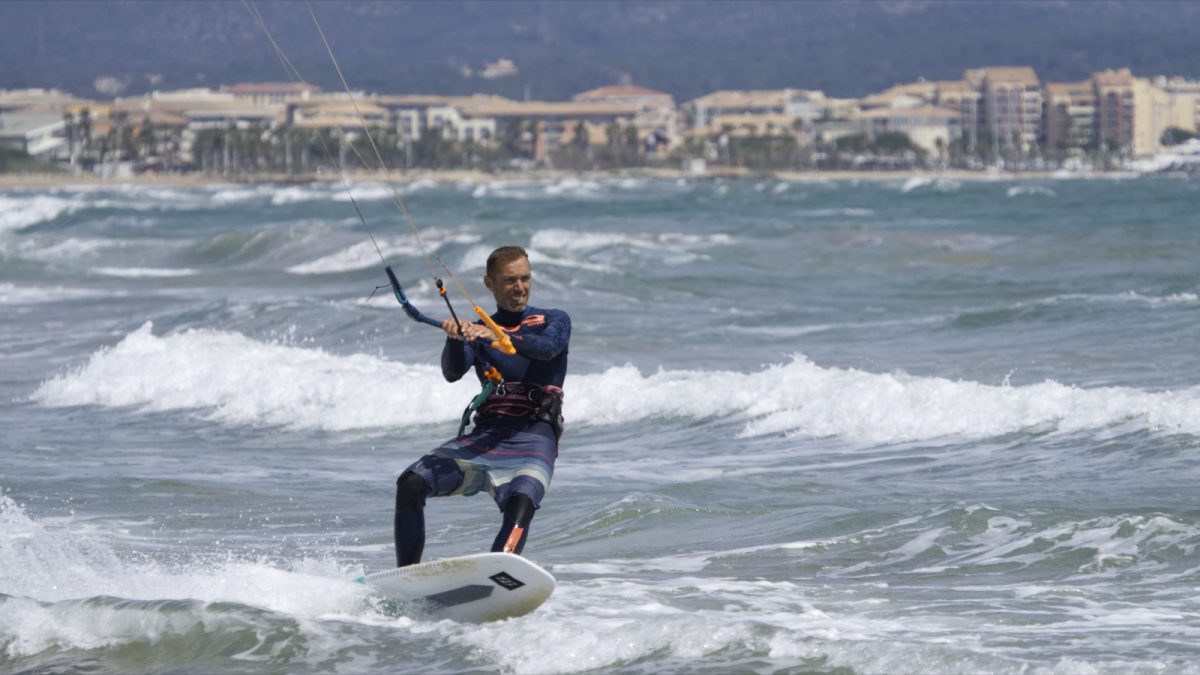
(502, 341)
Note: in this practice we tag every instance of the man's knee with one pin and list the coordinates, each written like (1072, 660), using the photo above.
(519, 510)
(412, 489)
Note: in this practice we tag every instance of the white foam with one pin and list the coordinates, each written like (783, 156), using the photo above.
(294, 194)
(19, 212)
(375, 191)
(578, 248)
(1153, 301)
(71, 248)
(1038, 190)
(145, 272)
(232, 379)
(961, 243)
(236, 195)
(574, 187)
(935, 184)
(49, 566)
(363, 255)
(573, 241)
(11, 294)
(840, 211)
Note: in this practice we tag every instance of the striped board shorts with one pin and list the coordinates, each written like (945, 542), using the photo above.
(499, 458)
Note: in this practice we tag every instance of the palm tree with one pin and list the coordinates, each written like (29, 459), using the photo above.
(147, 139)
(69, 130)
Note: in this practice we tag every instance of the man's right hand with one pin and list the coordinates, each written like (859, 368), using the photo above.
(472, 331)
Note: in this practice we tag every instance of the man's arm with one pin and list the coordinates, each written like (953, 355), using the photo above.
(457, 354)
(549, 343)
(455, 363)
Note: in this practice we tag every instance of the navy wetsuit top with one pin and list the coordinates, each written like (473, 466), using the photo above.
(541, 337)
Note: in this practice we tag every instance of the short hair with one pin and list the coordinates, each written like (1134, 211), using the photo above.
(504, 255)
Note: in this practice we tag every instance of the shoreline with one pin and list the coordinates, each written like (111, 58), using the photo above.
(54, 180)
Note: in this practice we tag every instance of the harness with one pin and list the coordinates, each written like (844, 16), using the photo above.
(516, 400)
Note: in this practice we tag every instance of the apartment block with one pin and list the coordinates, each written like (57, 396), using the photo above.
(929, 127)
(655, 109)
(1011, 99)
(1132, 113)
(1185, 101)
(965, 99)
(1070, 120)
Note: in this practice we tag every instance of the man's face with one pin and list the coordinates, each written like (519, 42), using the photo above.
(510, 285)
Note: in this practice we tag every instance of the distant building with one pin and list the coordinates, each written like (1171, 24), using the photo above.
(39, 135)
(967, 100)
(699, 112)
(1132, 113)
(1011, 105)
(901, 96)
(656, 116)
(928, 127)
(453, 117)
(808, 106)
(626, 94)
(1070, 120)
(803, 114)
(747, 125)
(37, 101)
(1185, 102)
(272, 92)
(343, 114)
(553, 124)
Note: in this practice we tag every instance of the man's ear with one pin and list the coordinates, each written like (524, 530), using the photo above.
(487, 281)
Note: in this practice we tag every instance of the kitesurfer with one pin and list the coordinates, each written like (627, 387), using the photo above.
(510, 452)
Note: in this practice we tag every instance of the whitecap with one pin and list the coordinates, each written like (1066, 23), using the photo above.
(935, 184)
(1019, 190)
(232, 379)
(11, 294)
(145, 272)
(17, 213)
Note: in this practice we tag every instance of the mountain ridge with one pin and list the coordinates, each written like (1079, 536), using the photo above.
(684, 47)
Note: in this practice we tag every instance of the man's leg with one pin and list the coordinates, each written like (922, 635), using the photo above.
(409, 525)
(518, 512)
(431, 476)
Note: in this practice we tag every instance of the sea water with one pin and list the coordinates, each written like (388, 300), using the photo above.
(894, 426)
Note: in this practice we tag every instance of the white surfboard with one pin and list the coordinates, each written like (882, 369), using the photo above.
(471, 588)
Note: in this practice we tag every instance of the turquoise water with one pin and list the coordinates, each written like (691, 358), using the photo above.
(917, 426)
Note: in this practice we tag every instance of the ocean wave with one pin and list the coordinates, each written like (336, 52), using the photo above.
(568, 240)
(844, 211)
(295, 194)
(1011, 311)
(145, 272)
(570, 187)
(925, 183)
(969, 539)
(12, 294)
(239, 381)
(65, 588)
(20, 212)
(967, 242)
(577, 249)
(377, 191)
(231, 379)
(363, 254)
(69, 249)
(1038, 190)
